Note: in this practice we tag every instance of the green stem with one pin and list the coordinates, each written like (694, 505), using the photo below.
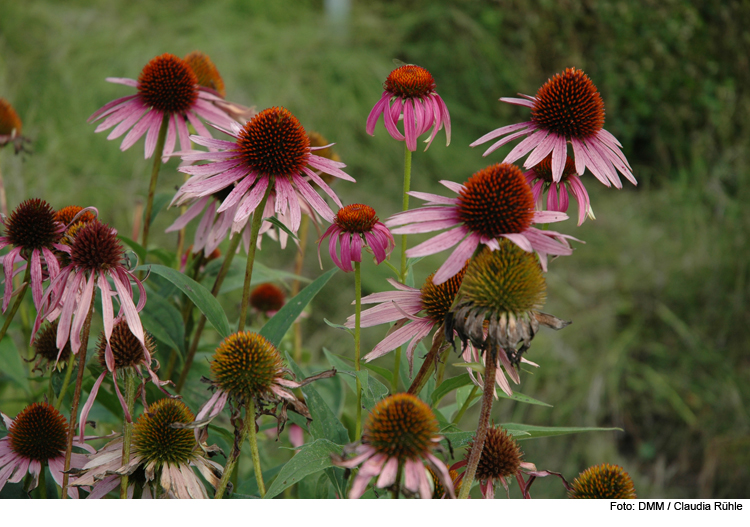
(66, 381)
(441, 368)
(248, 428)
(19, 299)
(253, 437)
(43, 482)
(257, 220)
(154, 177)
(396, 490)
(233, 244)
(299, 260)
(127, 429)
(484, 422)
(429, 363)
(465, 406)
(357, 319)
(77, 396)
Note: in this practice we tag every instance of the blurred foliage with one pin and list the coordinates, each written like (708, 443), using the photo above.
(659, 293)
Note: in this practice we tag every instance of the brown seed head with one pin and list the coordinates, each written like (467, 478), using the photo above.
(96, 248)
(401, 426)
(603, 482)
(168, 84)
(39, 433)
(356, 218)
(437, 299)
(409, 81)
(126, 349)
(154, 439)
(501, 456)
(246, 364)
(32, 225)
(205, 71)
(267, 297)
(45, 344)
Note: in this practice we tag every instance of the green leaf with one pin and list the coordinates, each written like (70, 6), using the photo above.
(275, 221)
(532, 432)
(311, 458)
(200, 296)
(248, 489)
(521, 398)
(167, 258)
(338, 326)
(460, 439)
(448, 386)
(160, 200)
(135, 246)
(164, 322)
(372, 389)
(11, 364)
(235, 278)
(275, 329)
(383, 372)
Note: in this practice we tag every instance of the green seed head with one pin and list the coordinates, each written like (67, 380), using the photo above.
(603, 482)
(155, 440)
(246, 364)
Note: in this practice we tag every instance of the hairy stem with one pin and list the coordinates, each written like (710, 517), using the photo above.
(253, 437)
(428, 365)
(154, 177)
(127, 429)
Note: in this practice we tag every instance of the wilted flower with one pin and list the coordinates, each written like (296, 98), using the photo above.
(354, 227)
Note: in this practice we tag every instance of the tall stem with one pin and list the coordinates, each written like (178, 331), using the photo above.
(43, 482)
(484, 422)
(127, 429)
(66, 381)
(257, 220)
(404, 270)
(465, 406)
(248, 429)
(429, 363)
(17, 302)
(154, 177)
(233, 244)
(77, 395)
(299, 260)
(441, 368)
(357, 319)
(253, 437)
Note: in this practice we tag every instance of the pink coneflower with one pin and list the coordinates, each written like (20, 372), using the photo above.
(400, 431)
(496, 202)
(354, 227)
(37, 436)
(410, 90)
(271, 149)
(164, 453)
(167, 86)
(567, 108)
(33, 232)
(10, 127)
(96, 256)
(540, 180)
(403, 306)
(267, 299)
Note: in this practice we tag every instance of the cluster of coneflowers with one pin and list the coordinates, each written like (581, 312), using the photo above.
(266, 175)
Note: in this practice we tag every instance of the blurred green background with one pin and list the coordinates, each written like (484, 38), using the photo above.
(659, 293)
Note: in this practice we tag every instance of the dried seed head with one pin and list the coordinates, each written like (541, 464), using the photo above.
(544, 169)
(437, 299)
(409, 81)
(10, 123)
(273, 143)
(45, 345)
(401, 426)
(32, 225)
(154, 439)
(246, 364)
(267, 297)
(603, 482)
(356, 218)
(95, 247)
(168, 84)
(501, 456)
(205, 71)
(126, 349)
(38, 433)
(569, 105)
(497, 200)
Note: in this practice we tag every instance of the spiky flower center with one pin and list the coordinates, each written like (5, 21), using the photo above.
(39, 433)
(246, 364)
(437, 299)
(156, 441)
(501, 456)
(66, 214)
(273, 143)
(508, 280)
(401, 426)
(205, 71)
(267, 297)
(356, 218)
(543, 170)
(409, 81)
(126, 349)
(603, 482)
(497, 200)
(10, 123)
(96, 248)
(32, 225)
(168, 84)
(569, 105)
(45, 344)
(440, 490)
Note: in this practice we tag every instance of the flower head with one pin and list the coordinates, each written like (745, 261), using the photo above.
(10, 127)
(496, 202)
(354, 227)
(37, 436)
(33, 232)
(272, 149)
(603, 482)
(163, 450)
(400, 430)
(540, 180)
(167, 86)
(45, 348)
(567, 108)
(267, 299)
(410, 91)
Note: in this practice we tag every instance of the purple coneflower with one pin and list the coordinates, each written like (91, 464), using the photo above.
(354, 227)
(167, 86)
(271, 149)
(33, 232)
(495, 202)
(540, 180)
(166, 454)
(403, 306)
(400, 431)
(37, 436)
(410, 90)
(95, 256)
(567, 108)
